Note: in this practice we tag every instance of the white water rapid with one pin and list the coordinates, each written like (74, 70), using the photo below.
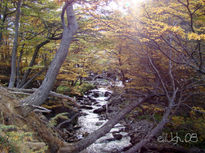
(91, 121)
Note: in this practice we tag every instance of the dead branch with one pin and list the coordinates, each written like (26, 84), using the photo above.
(68, 121)
(54, 94)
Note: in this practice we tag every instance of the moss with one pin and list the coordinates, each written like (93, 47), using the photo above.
(64, 89)
(86, 87)
(6, 146)
(53, 121)
(78, 89)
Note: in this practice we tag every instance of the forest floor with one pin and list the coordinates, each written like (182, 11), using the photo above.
(20, 134)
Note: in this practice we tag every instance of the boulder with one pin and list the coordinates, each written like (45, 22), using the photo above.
(107, 94)
(117, 136)
(100, 110)
(91, 99)
(95, 94)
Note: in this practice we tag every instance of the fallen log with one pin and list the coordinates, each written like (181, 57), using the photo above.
(52, 93)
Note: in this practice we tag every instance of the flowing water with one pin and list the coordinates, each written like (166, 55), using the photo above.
(91, 121)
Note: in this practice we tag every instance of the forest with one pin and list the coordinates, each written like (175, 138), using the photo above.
(102, 76)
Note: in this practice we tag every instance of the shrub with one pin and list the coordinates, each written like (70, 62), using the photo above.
(64, 89)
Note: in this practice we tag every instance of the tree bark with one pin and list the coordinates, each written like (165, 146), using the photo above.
(15, 46)
(18, 65)
(41, 94)
(3, 19)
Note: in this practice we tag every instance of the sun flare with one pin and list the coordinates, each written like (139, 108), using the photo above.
(122, 5)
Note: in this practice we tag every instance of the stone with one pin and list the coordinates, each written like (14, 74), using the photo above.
(76, 127)
(86, 107)
(117, 136)
(107, 94)
(91, 99)
(99, 110)
(95, 94)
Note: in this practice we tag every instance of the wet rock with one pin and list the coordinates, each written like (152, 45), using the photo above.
(86, 107)
(95, 94)
(83, 114)
(76, 127)
(95, 103)
(91, 99)
(110, 111)
(117, 136)
(107, 140)
(85, 134)
(80, 97)
(86, 101)
(88, 92)
(99, 110)
(107, 94)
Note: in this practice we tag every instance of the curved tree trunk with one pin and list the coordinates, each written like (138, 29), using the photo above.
(15, 46)
(40, 95)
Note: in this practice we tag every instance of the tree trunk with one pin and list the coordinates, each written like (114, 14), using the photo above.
(2, 19)
(15, 46)
(35, 54)
(18, 66)
(40, 95)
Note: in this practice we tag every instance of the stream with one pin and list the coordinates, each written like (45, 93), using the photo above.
(91, 120)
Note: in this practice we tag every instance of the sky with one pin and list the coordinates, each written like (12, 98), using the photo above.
(123, 4)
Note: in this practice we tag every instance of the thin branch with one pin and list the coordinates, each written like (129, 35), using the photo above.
(67, 3)
(63, 13)
(193, 109)
(159, 76)
(68, 121)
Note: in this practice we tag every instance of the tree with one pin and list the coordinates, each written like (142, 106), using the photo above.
(181, 22)
(40, 95)
(34, 38)
(15, 46)
(5, 12)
